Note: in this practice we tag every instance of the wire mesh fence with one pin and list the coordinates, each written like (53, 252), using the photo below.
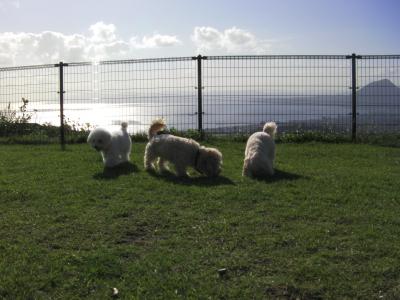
(215, 94)
(134, 91)
(27, 98)
(378, 94)
(299, 92)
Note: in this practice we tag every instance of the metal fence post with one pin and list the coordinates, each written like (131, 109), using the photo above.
(354, 88)
(61, 93)
(199, 95)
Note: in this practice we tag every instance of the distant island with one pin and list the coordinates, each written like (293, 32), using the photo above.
(381, 92)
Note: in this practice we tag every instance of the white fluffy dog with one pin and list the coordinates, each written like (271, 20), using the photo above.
(115, 147)
(181, 152)
(260, 152)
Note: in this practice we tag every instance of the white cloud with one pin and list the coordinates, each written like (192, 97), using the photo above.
(155, 41)
(207, 38)
(102, 33)
(100, 43)
(233, 41)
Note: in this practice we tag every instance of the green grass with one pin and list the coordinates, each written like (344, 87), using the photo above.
(327, 225)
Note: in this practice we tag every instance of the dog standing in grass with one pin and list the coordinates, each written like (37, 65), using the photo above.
(260, 152)
(181, 152)
(115, 147)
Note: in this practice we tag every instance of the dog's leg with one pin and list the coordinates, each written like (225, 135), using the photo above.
(181, 171)
(246, 169)
(149, 157)
(109, 159)
(263, 171)
(270, 170)
(125, 157)
(162, 165)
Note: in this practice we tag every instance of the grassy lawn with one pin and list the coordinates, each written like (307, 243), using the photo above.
(327, 225)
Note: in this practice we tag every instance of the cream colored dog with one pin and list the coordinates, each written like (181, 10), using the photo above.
(115, 147)
(260, 152)
(181, 152)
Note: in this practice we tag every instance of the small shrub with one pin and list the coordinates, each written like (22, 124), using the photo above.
(190, 133)
(15, 122)
(139, 137)
(15, 127)
(312, 136)
(9, 115)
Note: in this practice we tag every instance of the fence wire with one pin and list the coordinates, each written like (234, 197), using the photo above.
(297, 92)
(28, 96)
(237, 95)
(136, 92)
(378, 94)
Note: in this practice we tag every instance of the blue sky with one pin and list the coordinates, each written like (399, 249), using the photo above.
(45, 31)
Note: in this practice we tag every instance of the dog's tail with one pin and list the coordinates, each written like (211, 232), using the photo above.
(270, 128)
(124, 126)
(156, 125)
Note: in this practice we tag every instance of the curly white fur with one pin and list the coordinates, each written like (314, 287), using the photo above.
(260, 152)
(181, 152)
(115, 147)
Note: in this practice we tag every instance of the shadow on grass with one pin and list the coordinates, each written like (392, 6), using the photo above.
(198, 180)
(279, 176)
(114, 172)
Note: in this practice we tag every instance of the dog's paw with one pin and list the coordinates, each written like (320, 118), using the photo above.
(149, 168)
(183, 175)
(164, 171)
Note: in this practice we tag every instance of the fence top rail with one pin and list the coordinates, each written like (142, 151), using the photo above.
(388, 56)
(32, 67)
(190, 58)
(94, 63)
(133, 61)
(228, 57)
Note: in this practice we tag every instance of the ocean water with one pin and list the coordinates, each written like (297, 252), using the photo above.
(182, 114)
(226, 115)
